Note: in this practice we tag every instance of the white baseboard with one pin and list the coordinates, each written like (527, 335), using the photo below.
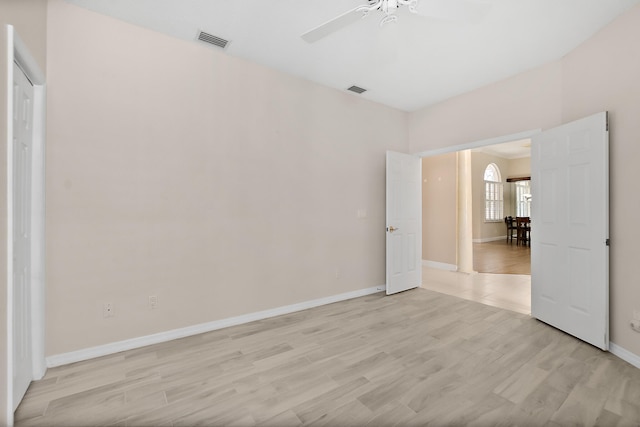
(624, 354)
(130, 344)
(439, 265)
(490, 239)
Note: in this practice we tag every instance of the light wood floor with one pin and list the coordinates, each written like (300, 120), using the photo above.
(500, 257)
(416, 358)
(509, 291)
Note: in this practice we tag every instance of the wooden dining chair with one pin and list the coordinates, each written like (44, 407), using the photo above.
(511, 228)
(523, 227)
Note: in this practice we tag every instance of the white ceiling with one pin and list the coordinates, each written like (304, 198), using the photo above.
(508, 150)
(414, 63)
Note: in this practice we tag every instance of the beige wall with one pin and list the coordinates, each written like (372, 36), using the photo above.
(220, 186)
(439, 202)
(519, 168)
(602, 74)
(530, 100)
(439, 189)
(29, 20)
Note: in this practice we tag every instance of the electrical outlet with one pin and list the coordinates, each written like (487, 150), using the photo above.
(108, 310)
(153, 302)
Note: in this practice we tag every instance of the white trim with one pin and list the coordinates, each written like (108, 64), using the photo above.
(30, 67)
(38, 216)
(133, 343)
(482, 143)
(490, 239)
(18, 52)
(439, 265)
(130, 344)
(9, 165)
(624, 354)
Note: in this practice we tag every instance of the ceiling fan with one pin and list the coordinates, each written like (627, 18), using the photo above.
(450, 10)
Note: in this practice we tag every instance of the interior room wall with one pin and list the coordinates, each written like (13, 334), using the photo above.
(439, 223)
(220, 186)
(519, 167)
(601, 74)
(29, 19)
(439, 202)
(530, 100)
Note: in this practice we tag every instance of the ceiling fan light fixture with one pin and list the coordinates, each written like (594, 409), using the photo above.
(388, 7)
(456, 10)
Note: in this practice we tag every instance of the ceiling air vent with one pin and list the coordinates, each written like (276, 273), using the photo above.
(213, 40)
(357, 89)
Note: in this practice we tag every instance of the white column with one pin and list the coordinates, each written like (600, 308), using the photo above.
(465, 226)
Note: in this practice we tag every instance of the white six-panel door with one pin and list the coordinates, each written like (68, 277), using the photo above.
(22, 163)
(404, 222)
(570, 229)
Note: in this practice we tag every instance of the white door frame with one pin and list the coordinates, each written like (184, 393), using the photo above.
(17, 52)
(480, 143)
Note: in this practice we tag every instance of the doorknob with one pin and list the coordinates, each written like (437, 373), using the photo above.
(391, 229)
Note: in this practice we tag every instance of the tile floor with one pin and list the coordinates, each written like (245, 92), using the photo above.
(508, 291)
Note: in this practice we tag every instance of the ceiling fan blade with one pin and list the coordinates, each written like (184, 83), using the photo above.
(453, 10)
(332, 25)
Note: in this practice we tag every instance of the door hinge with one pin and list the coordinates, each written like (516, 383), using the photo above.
(607, 242)
(607, 120)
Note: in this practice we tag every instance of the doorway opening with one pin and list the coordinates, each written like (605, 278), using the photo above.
(501, 208)
(570, 245)
(501, 263)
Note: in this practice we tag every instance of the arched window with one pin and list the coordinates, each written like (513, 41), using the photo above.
(493, 194)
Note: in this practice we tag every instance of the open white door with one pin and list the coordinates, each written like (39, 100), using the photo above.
(404, 222)
(570, 229)
(22, 159)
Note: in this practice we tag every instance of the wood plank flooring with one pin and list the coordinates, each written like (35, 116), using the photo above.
(416, 358)
(501, 258)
